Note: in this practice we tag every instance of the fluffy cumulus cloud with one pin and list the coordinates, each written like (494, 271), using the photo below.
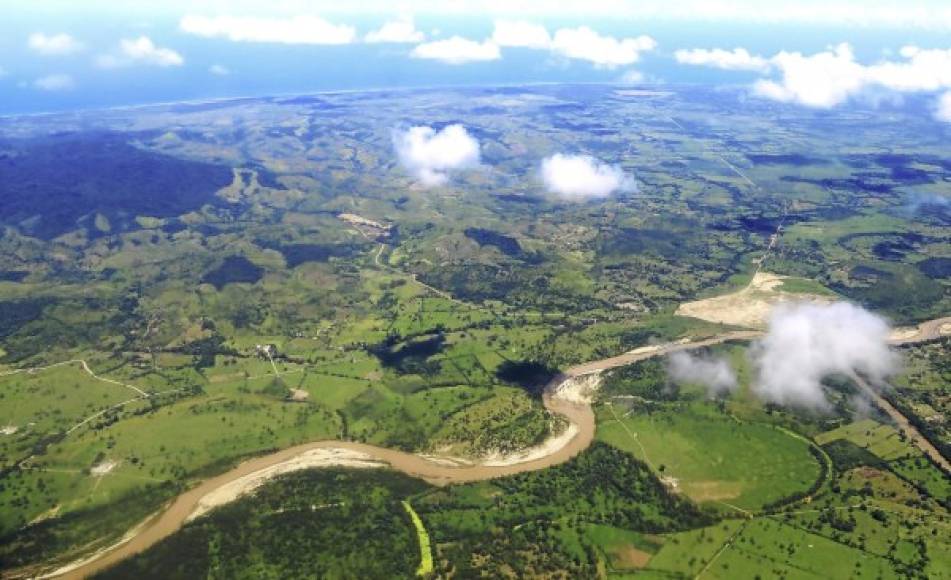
(583, 43)
(829, 78)
(736, 59)
(922, 70)
(55, 82)
(53, 45)
(823, 80)
(521, 34)
(300, 29)
(582, 177)
(713, 373)
(431, 155)
(833, 76)
(808, 342)
(141, 50)
(401, 30)
(457, 50)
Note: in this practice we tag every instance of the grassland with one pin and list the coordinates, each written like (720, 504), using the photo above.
(711, 456)
(244, 253)
(881, 440)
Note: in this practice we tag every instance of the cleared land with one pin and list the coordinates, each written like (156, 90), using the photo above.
(751, 306)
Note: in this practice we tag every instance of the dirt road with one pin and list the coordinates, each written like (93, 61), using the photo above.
(904, 424)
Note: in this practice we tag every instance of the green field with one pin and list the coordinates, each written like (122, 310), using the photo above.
(881, 440)
(712, 456)
(425, 547)
(207, 256)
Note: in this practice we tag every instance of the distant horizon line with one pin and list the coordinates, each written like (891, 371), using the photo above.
(210, 100)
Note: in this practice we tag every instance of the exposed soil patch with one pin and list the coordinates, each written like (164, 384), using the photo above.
(749, 307)
(630, 557)
(103, 468)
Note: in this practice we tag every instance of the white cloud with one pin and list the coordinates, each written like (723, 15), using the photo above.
(53, 45)
(580, 43)
(582, 176)
(713, 373)
(823, 80)
(736, 59)
(457, 50)
(923, 70)
(522, 34)
(925, 14)
(401, 30)
(219, 70)
(943, 112)
(430, 155)
(300, 29)
(55, 82)
(833, 76)
(583, 43)
(808, 342)
(140, 50)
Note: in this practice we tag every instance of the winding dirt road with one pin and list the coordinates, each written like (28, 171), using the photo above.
(434, 470)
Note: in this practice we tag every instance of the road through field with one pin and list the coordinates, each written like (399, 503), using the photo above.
(904, 424)
(558, 399)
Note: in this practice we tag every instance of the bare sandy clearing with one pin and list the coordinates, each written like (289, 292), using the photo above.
(360, 221)
(103, 468)
(630, 557)
(927, 330)
(299, 395)
(312, 458)
(903, 333)
(749, 307)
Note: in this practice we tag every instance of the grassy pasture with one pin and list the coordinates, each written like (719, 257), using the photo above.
(881, 440)
(39, 404)
(769, 547)
(714, 457)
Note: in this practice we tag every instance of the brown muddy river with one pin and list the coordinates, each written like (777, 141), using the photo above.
(578, 414)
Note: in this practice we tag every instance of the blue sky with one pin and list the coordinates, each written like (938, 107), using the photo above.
(63, 55)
